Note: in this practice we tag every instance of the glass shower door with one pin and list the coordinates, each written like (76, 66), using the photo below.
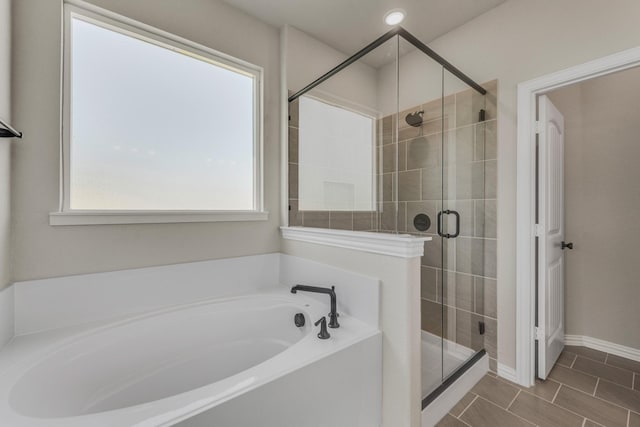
(461, 223)
(450, 151)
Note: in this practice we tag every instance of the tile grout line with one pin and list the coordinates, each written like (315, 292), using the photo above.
(595, 397)
(573, 411)
(462, 309)
(556, 395)
(596, 389)
(467, 407)
(461, 272)
(562, 407)
(508, 412)
(609, 366)
(542, 398)
(406, 162)
(628, 418)
(514, 399)
(582, 355)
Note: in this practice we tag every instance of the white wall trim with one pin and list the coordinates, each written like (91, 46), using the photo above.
(151, 217)
(525, 237)
(397, 245)
(507, 372)
(602, 345)
(284, 127)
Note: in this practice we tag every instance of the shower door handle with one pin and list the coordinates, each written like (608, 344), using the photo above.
(457, 233)
(440, 226)
(447, 235)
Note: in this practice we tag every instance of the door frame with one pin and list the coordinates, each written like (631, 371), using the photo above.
(528, 93)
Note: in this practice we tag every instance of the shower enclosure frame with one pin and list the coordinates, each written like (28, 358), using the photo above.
(398, 31)
(407, 36)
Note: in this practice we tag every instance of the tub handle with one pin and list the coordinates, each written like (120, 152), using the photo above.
(324, 333)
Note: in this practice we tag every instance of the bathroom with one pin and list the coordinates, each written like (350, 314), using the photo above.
(430, 275)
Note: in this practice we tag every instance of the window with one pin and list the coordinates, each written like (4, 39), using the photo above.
(336, 157)
(153, 124)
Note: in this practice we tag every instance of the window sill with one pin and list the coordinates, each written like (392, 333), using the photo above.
(156, 217)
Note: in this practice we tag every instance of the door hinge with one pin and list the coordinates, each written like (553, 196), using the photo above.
(538, 126)
(539, 333)
(537, 230)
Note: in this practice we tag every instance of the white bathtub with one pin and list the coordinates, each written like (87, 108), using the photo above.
(228, 362)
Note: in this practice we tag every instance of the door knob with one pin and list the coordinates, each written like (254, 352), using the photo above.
(567, 245)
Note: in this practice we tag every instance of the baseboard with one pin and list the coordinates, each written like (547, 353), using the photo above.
(606, 346)
(507, 372)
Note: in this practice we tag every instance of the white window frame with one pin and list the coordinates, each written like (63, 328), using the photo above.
(98, 16)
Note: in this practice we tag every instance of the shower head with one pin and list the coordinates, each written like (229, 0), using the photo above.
(415, 119)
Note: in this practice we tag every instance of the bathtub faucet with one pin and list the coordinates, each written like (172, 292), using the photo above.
(333, 316)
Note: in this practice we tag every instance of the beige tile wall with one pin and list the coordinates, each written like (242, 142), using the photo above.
(461, 164)
(460, 149)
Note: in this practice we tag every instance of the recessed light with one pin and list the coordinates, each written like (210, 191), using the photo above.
(394, 16)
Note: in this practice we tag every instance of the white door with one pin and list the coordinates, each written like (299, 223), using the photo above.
(550, 333)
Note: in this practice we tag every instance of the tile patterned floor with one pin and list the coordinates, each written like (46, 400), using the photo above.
(586, 388)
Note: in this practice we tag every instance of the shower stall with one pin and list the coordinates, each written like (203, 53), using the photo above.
(397, 140)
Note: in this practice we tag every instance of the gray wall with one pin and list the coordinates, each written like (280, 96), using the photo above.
(44, 251)
(602, 202)
(309, 58)
(5, 144)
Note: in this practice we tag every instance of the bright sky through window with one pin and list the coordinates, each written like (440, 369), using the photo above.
(155, 129)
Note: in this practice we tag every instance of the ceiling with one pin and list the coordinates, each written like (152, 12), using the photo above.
(349, 25)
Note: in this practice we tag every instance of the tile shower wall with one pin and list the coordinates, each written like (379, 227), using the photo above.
(464, 155)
